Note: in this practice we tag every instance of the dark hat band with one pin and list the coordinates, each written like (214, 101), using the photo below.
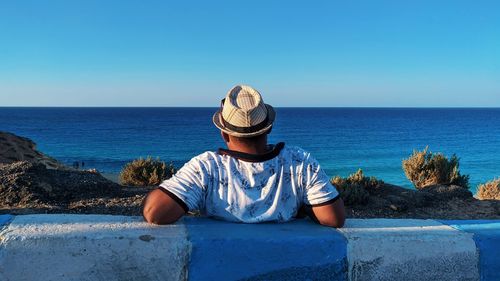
(245, 130)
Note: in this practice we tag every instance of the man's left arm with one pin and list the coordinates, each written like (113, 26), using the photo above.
(162, 208)
(176, 196)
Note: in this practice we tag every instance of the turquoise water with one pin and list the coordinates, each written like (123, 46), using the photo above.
(342, 139)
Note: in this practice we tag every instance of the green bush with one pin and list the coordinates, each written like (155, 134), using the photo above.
(424, 168)
(355, 188)
(489, 190)
(146, 172)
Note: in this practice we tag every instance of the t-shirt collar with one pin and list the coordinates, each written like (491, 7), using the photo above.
(247, 157)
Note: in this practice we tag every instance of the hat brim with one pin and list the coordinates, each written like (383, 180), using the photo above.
(270, 120)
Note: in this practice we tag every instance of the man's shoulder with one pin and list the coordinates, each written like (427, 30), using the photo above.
(297, 152)
(205, 157)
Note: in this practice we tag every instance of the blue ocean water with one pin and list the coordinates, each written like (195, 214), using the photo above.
(342, 139)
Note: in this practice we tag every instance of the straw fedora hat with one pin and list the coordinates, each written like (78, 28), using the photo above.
(244, 114)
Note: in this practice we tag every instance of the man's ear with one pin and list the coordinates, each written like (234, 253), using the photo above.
(225, 136)
(270, 130)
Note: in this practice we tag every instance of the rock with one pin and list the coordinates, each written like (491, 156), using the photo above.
(447, 192)
(14, 148)
(25, 182)
(394, 207)
(397, 203)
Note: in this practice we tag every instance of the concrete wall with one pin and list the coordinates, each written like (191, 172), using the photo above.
(100, 247)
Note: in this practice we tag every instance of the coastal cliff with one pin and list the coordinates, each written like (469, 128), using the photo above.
(15, 148)
(32, 182)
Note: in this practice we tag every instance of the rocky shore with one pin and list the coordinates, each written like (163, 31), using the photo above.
(439, 202)
(31, 182)
(14, 148)
(32, 188)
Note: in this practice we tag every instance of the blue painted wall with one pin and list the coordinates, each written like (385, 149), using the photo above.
(298, 250)
(4, 220)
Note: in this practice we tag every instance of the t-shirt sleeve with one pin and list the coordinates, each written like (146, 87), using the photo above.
(188, 184)
(318, 188)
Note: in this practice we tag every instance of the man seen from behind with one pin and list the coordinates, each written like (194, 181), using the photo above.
(251, 181)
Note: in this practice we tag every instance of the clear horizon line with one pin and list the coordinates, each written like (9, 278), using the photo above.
(353, 107)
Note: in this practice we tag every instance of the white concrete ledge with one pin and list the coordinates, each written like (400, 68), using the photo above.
(101, 247)
(79, 247)
(386, 249)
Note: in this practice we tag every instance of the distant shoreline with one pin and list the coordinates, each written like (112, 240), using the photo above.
(112, 177)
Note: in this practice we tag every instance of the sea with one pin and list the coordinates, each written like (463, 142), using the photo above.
(342, 139)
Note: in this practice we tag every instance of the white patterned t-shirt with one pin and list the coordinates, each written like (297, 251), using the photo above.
(249, 188)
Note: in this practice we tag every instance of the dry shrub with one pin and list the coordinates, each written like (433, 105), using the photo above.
(424, 168)
(146, 172)
(489, 190)
(355, 188)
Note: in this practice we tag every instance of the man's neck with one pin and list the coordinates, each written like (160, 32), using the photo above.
(252, 157)
(250, 150)
(258, 148)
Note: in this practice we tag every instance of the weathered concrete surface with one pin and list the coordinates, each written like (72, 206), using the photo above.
(299, 250)
(91, 247)
(487, 238)
(389, 249)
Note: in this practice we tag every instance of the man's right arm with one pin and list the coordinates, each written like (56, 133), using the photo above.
(328, 214)
(322, 200)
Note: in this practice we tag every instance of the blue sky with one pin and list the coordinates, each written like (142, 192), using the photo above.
(297, 53)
